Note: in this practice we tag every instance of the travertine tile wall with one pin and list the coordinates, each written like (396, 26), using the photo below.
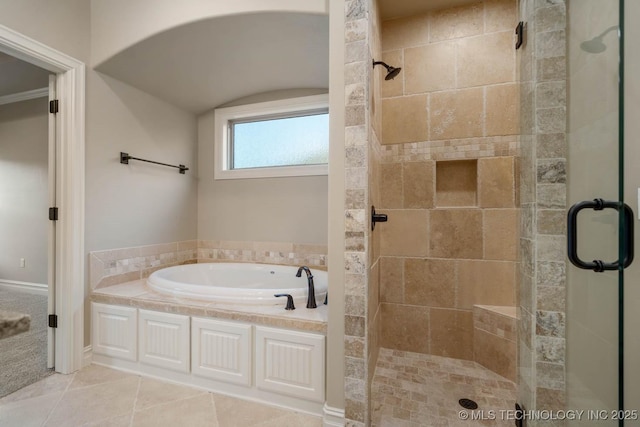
(114, 266)
(359, 24)
(375, 133)
(296, 254)
(458, 78)
(494, 339)
(542, 293)
(448, 175)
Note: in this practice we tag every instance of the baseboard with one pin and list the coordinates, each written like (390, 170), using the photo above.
(332, 417)
(87, 356)
(33, 288)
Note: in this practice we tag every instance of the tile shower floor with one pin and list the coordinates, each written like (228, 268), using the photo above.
(412, 389)
(97, 396)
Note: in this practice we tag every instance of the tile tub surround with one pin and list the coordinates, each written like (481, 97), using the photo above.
(115, 266)
(137, 294)
(99, 396)
(12, 323)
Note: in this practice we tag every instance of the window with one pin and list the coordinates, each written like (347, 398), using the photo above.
(273, 139)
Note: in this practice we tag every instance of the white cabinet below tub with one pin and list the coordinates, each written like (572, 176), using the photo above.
(114, 331)
(290, 363)
(221, 350)
(236, 358)
(164, 340)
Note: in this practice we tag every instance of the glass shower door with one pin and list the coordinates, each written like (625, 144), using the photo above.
(600, 235)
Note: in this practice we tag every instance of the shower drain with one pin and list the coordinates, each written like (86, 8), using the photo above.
(468, 404)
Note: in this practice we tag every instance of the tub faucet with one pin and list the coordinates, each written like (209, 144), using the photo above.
(311, 296)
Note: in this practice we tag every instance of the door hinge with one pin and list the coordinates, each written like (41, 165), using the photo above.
(53, 320)
(519, 34)
(53, 106)
(53, 214)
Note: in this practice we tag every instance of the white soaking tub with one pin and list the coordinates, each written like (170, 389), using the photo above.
(238, 283)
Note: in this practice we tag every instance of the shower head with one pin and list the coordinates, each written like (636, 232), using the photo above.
(595, 45)
(392, 72)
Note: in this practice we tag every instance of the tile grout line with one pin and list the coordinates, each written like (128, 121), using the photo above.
(59, 399)
(172, 401)
(135, 402)
(215, 409)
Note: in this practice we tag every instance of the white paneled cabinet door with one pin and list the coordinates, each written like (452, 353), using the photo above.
(114, 331)
(290, 362)
(164, 340)
(221, 350)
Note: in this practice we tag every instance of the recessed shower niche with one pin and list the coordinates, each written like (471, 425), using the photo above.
(457, 183)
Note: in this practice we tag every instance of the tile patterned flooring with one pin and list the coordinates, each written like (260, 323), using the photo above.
(408, 390)
(101, 397)
(412, 389)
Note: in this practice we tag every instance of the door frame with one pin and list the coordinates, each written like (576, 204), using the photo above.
(51, 247)
(70, 138)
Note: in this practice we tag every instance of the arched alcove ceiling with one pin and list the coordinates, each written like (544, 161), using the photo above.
(201, 65)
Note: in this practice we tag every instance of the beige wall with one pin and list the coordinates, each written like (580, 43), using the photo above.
(292, 209)
(140, 203)
(449, 125)
(24, 190)
(62, 24)
(119, 24)
(336, 209)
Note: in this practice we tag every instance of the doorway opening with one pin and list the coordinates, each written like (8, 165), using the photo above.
(27, 248)
(69, 188)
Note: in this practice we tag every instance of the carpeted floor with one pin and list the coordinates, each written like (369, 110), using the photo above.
(23, 357)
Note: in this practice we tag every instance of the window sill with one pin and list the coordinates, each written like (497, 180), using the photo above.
(275, 172)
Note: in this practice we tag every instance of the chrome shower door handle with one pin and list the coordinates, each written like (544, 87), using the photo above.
(627, 235)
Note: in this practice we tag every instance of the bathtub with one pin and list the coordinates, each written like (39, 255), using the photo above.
(238, 283)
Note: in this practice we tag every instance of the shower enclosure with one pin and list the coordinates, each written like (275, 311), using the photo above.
(578, 116)
(577, 346)
(602, 345)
